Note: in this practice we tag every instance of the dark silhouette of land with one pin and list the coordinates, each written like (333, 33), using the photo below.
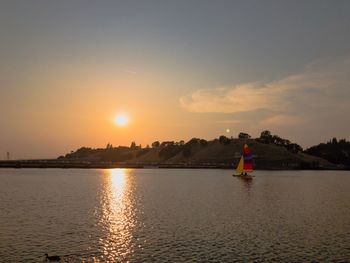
(337, 152)
(269, 152)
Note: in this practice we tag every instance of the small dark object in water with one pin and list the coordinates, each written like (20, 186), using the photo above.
(52, 258)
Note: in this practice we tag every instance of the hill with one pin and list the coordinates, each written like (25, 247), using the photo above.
(337, 152)
(221, 152)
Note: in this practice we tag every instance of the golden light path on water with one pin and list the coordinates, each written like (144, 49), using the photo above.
(118, 215)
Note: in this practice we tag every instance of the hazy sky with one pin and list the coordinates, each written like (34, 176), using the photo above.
(179, 69)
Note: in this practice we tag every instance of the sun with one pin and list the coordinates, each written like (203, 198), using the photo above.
(121, 119)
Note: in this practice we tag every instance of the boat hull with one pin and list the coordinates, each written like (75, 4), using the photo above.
(245, 177)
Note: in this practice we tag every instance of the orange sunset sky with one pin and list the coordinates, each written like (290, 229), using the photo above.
(177, 69)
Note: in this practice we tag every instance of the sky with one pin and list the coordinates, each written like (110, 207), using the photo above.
(178, 69)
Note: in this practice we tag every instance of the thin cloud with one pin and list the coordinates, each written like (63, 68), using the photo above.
(240, 98)
(128, 70)
(230, 121)
(322, 86)
(309, 107)
(282, 121)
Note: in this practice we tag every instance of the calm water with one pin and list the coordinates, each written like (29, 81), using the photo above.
(161, 215)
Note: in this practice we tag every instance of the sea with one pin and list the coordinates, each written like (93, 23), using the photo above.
(174, 215)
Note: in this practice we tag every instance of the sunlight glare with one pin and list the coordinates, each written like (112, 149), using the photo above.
(118, 214)
(121, 119)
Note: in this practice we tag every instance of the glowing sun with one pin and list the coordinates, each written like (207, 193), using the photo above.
(121, 119)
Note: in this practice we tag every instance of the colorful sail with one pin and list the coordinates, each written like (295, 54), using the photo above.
(248, 159)
(245, 164)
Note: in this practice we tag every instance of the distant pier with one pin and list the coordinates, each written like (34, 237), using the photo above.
(54, 163)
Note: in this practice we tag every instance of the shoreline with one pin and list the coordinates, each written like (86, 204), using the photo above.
(48, 164)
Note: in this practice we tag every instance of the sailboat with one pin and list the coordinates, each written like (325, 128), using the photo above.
(245, 164)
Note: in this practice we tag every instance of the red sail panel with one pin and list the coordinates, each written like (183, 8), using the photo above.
(248, 166)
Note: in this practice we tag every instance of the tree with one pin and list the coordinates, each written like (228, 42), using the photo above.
(337, 153)
(224, 140)
(155, 144)
(294, 148)
(169, 149)
(109, 146)
(133, 145)
(193, 141)
(265, 137)
(243, 135)
(167, 143)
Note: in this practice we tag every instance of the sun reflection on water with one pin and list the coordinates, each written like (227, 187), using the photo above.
(118, 215)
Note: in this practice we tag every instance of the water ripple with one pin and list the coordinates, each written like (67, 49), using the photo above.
(122, 215)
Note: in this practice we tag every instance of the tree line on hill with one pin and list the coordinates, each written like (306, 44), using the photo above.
(335, 151)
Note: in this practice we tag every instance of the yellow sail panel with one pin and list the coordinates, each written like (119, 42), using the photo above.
(239, 168)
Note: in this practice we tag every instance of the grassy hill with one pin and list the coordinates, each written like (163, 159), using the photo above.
(221, 152)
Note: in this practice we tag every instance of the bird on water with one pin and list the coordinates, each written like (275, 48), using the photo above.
(52, 258)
